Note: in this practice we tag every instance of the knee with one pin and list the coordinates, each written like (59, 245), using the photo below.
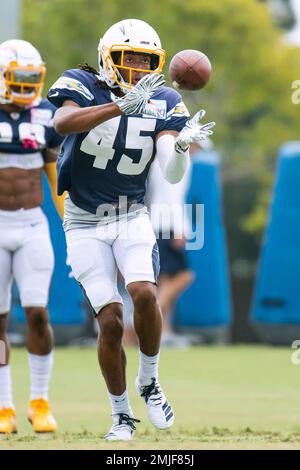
(143, 295)
(37, 318)
(99, 294)
(111, 324)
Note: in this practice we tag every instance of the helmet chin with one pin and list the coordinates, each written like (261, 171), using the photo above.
(21, 99)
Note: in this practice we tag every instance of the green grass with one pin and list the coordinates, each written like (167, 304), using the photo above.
(236, 397)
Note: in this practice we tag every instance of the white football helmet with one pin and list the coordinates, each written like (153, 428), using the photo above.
(128, 36)
(22, 72)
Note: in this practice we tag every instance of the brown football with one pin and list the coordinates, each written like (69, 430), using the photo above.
(190, 70)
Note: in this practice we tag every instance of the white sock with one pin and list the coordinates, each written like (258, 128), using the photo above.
(6, 399)
(148, 368)
(120, 404)
(40, 372)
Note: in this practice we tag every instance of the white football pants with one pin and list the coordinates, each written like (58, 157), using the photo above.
(26, 254)
(96, 252)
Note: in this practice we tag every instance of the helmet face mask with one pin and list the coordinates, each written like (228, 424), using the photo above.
(132, 37)
(22, 73)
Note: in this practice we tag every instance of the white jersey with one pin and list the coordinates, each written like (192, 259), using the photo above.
(165, 202)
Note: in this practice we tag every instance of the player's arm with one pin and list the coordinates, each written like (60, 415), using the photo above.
(173, 165)
(72, 119)
(50, 170)
(173, 147)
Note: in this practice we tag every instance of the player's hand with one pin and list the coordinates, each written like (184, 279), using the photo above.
(193, 132)
(135, 101)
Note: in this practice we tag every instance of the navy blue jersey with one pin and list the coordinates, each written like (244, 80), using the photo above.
(28, 131)
(113, 159)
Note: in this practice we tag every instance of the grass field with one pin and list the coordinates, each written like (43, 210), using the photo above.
(236, 397)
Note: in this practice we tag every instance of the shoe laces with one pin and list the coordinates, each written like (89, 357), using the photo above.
(152, 392)
(126, 420)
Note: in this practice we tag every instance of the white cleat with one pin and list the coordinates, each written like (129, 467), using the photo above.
(160, 413)
(122, 429)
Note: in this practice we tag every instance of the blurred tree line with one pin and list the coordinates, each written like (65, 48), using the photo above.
(249, 95)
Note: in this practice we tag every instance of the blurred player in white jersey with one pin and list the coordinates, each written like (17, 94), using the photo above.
(116, 120)
(171, 226)
(28, 144)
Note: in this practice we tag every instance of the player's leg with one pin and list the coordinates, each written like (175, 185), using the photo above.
(33, 265)
(40, 356)
(94, 267)
(147, 316)
(112, 360)
(129, 335)
(7, 409)
(138, 260)
(40, 334)
(110, 349)
(5, 346)
(137, 257)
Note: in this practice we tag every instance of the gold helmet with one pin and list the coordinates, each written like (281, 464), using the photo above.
(22, 72)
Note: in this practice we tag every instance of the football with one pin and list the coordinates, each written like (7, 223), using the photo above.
(190, 70)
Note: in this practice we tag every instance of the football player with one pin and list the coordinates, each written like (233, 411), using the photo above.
(28, 144)
(116, 120)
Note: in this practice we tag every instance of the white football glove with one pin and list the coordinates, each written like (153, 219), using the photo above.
(193, 131)
(135, 101)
